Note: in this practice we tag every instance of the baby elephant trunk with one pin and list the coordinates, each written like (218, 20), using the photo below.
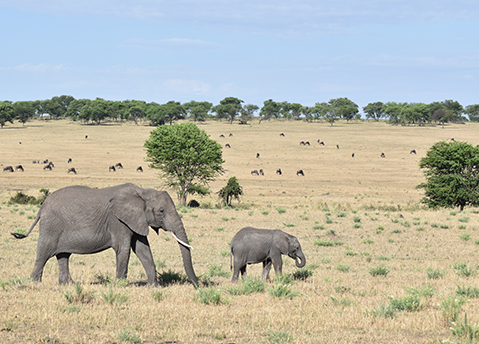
(300, 257)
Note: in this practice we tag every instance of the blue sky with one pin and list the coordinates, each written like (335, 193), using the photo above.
(295, 51)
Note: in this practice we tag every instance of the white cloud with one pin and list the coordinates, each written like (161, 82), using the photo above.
(169, 43)
(40, 68)
(188, 86)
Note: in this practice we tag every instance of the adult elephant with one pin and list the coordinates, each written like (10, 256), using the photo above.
(253, 245)
(81, 220)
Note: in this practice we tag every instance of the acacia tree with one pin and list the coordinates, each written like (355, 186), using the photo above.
(24, 111)
(230, 191)
(228, 108)
(452, 175)
(187, 158)
(374, 110)
(7, 112)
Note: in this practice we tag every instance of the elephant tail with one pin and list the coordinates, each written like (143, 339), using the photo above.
(23, 236)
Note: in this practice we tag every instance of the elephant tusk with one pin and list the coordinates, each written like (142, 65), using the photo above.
(180, 241)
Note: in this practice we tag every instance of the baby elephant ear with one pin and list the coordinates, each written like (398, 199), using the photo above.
(128, 207)
(281, 241)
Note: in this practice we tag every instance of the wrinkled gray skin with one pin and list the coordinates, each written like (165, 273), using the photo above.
(81, 220)
(252, 245)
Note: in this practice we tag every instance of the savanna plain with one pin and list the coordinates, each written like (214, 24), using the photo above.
(381, 268)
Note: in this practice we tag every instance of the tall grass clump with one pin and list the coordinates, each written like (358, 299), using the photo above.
(128, 336)
(250, 285)
(461, 269)
(282, 288)
(79, 295)
(379, 271)
(210, 296)
(111, 297)
(451, 308)
(279, 337)
(434, 273)
(465, 331)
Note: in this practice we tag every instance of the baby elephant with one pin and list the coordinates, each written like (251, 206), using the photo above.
(252, 245)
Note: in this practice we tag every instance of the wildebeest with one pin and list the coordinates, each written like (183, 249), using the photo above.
(321, 143)
(352, 155)
(282, 134)
(278, 171)
(230, 134)
(261, 172)
(257, 155)
(222, 135)
(47, 167)
(111, 168)
(19, 167)
(337, 146)
(300, 173)
(255, 172)
(119, 165)
(383, 155)
(139, 169)
(413, 152)
(8, 169)
(69, 160)
(72, 170)
(227, 145)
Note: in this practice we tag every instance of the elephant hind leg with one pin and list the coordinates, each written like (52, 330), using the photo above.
(64, 276)
(266, 268)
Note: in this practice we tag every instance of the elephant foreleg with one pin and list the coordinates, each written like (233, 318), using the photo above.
(64, 276)
(141, 248)
(122, 259)
(278, 265)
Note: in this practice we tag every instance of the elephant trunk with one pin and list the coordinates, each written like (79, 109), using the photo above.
(180, 235)
(300, 256)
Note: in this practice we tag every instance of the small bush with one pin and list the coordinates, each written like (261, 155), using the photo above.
(281, 210)
(343, 268)
(383, 311)
(461, 269)
(320, 242)
(434, 273)
(302, 274)
(356, 219)
(210, 296)
(379, 271)
(158, 295)
(112, 297)
(282, 289)
(463, 330)
(79, 295)
(464, 219)
(451, 307)
(470, 292)
(409, 303)
(248, 286)
(170, 277)
(465, 236)
(127, 336)
(216, 270)
(279, 337)
(368, 241)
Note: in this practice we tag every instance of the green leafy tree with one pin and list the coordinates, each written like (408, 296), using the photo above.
(374, 111)
(247, 113)
(345, 108)
(473, 112)
(270, 109)
(228, 108)
(155, 114)
(24, 111)
(452, 175)
(393, 112)
(7, 112)
(75, 108)
(198, 110)
(230, 191)
(187, 158)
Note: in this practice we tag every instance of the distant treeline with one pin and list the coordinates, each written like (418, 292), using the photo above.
(232, 109)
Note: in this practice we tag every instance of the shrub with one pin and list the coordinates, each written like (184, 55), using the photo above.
(112, 297)
(470, 292)
(127, 336)
(21, 198)
(250, 285)
(79, 296)
(461, 269)
(343, 268)
(302, 274)
(465, 330)
(451, 307)
(379, 271)
(281, 210)
(170, 277)
(320, 242)
(210, 296)
(216, 270)
(279, 337)
(434, 273)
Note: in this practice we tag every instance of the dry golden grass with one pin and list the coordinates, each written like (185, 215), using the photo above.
(367, 203)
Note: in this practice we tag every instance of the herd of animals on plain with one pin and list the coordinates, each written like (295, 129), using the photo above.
(83, 220)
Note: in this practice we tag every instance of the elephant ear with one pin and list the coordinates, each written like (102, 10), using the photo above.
(281, 241)
(129, 207)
